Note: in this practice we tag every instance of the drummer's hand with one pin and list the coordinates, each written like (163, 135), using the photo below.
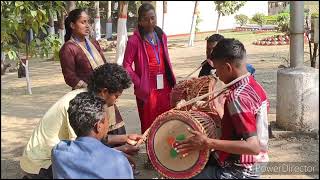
(198, 141)
(133, 138)
(128, 149)
(180, 104)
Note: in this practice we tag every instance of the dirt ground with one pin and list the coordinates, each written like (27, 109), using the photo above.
(21, 112)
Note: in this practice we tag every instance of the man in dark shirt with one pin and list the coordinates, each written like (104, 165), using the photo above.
(212, 41)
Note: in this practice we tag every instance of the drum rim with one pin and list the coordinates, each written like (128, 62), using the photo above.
(194, 170)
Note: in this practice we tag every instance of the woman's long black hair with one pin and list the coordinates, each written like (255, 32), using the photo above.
(73, 16)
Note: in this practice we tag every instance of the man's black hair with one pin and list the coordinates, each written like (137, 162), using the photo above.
(214, 38)
(111, 76)
(230, 50)
(84, 111)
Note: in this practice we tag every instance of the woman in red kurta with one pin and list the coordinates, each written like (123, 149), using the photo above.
(153, 76)
(159, 99)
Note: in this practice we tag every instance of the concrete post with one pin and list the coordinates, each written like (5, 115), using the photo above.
(296, 33)
(297, 86)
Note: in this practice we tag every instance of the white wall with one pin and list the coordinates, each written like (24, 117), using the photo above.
(179, 17)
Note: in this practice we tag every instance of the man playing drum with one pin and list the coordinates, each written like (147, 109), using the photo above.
(244, 142)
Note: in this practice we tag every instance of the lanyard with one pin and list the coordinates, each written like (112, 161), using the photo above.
(153, 47)
(88, 48)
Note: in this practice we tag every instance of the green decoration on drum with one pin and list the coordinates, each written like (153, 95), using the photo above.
(173, 153)
(180, 137)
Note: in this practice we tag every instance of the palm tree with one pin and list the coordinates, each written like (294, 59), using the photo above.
(122, 36)
(193, 24)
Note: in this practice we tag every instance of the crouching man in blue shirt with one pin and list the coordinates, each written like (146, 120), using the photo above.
(87, 157)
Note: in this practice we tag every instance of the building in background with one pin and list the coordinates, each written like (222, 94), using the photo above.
(179, 16)
(275, 7)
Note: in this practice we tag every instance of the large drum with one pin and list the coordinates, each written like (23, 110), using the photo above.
(171, 127)
(189, 89)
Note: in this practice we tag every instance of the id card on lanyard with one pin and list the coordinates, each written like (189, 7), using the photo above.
(159, 77)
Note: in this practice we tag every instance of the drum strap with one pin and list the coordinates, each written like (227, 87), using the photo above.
(217, 92)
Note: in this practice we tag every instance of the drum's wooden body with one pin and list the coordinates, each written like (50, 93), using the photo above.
(189, 89)
(170, 127)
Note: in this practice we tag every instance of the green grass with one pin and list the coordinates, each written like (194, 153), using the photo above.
(248, 36)
(244, 36)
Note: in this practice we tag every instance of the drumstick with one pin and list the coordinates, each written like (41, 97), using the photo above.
(218, 91)
(144, 137)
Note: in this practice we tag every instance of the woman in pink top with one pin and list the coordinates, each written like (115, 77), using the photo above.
(152, 76)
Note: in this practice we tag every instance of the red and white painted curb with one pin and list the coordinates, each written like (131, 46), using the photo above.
(275, 40)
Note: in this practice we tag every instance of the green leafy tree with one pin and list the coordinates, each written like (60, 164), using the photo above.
(241, 19)
(84, 4)
(259, 18)
(226, 8)
(18, 20)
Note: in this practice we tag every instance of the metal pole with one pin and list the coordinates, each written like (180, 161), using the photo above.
(296, 33)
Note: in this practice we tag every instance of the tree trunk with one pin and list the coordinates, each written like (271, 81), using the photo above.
(193, 24)
(28, 77)
(314, 56)
(3, 65)
(97, 27)
(51, 25)
(217, 26)
(165, 11)
(30, 35)
(26, 66)
(109, 22)
(61, 26)
(71, 5)
(122, 36)
(51, 21)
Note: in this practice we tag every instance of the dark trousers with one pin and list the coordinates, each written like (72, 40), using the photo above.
(214, 171)
(43, 174)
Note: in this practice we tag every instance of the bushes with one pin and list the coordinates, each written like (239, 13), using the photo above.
(283, 20)
(314, 15)
(241, 19)
(259, 18)
(271, 19)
